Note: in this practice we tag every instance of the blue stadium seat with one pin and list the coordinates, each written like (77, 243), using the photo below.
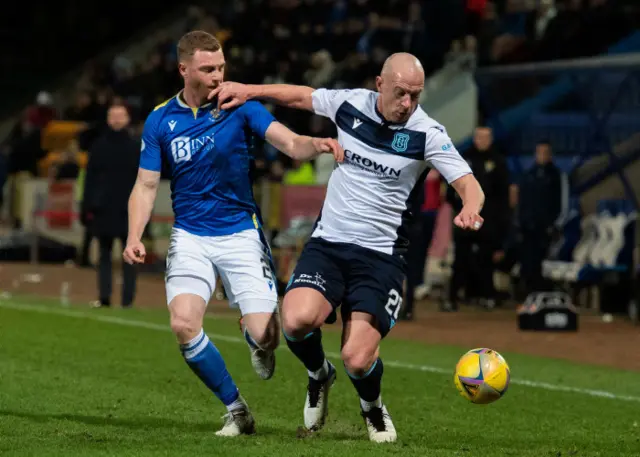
(605, 245)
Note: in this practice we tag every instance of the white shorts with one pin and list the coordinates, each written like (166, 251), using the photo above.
(242, 260)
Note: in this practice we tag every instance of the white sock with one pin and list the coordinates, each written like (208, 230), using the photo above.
(237, 404)
(368, 405)
(322, 373)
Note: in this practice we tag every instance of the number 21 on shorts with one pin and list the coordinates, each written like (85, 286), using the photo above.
(394, 303)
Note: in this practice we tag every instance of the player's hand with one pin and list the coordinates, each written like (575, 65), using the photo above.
(229, 94)
(468, 219)
(134, 252)
(329, 146)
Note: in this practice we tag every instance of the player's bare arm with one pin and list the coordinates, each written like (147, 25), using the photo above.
(232, 94)
(469, 190)
(141, 203)
(301, 147)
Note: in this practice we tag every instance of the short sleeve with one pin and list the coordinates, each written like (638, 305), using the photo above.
(327, 101)
(150, 152)
(258, 118)
(441, 154)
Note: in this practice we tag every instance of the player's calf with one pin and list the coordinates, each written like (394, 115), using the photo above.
(368, 385)
(365, 369)
(262, 333)
(367, 379)
(262, 330)
(199, 352)
(303, 312)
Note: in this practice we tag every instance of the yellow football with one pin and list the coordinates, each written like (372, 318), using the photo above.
(482, 376)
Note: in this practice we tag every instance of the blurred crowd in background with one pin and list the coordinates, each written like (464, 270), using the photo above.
(336, 44)
(321, 43)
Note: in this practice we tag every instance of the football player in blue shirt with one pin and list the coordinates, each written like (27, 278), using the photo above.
(217, 228)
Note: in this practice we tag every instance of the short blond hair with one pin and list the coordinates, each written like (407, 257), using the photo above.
(197, 40)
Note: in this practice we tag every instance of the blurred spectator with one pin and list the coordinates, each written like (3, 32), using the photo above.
(512, 32)
(111, 174)
(81, 110)
(87, 236)
(4, 172)
(43, 111)
(322, 69)
(539, 206)
(25, 147)
(475, 11)
(420, 235)
(66, 167)
(473, 265)
(539, 20)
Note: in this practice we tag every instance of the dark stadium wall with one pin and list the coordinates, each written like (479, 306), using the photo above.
(40, 41)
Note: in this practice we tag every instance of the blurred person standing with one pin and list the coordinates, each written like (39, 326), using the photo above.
(66, 166)
(539, 206)
(111, 174)
(420, 236)
(473, 264)
(4, 173)
(24, 149)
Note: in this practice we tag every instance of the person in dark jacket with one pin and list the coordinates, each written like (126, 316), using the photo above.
(473, 264)
(421, 231)
(111, 173)
(539, 206)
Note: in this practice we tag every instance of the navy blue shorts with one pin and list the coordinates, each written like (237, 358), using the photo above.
(353, 277)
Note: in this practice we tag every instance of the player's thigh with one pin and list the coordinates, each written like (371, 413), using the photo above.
(243, 261)
(189, 279)
(315, 288)
(360, 342)
(374, 287)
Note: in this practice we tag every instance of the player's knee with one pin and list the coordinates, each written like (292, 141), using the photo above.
(187, 313)
(303, 312)
(298, 321)
(358, 359)
(185, 327)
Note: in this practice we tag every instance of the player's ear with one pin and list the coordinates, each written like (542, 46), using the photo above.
(182, 68)
(379, 83)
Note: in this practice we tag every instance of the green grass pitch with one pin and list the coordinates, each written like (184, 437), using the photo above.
(81, 382)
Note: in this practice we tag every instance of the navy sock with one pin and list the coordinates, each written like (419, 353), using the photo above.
(206, 362)
(308, 350)
(369, 385)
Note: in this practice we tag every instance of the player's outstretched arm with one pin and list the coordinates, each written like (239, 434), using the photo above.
(141, 201)
(232, 94)
(472, 195)
(300, 147)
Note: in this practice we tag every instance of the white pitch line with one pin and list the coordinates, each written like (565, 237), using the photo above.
(233, 339)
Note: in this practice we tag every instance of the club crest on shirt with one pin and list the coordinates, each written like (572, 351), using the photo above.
(400, 142)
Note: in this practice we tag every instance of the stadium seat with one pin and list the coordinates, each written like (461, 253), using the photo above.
(605, 247)
(568, 270)
(58, 134)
